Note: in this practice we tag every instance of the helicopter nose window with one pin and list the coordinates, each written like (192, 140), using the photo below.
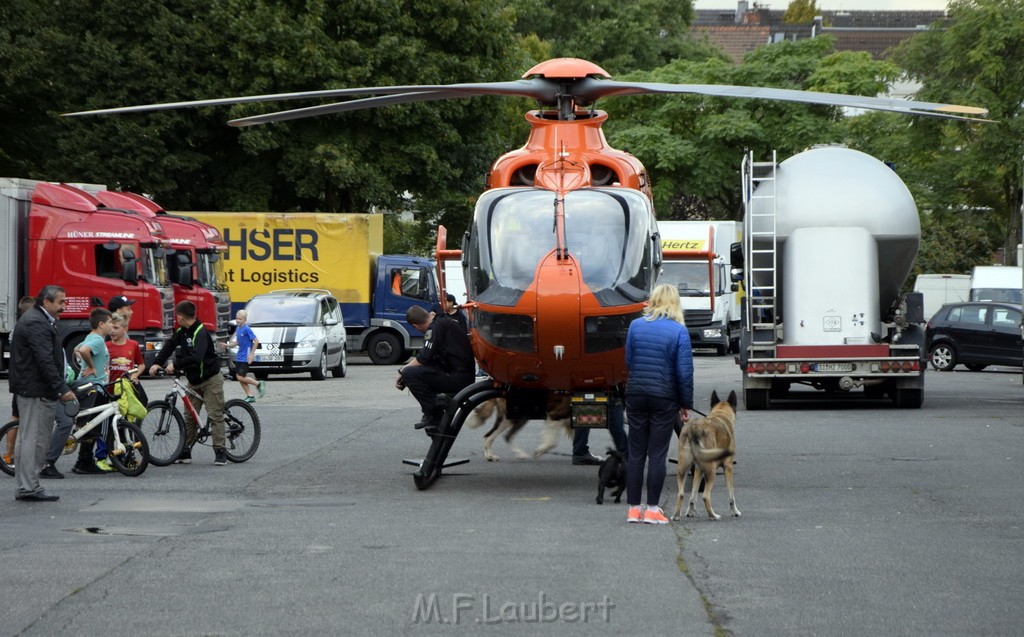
(608, 233)
(512, 231)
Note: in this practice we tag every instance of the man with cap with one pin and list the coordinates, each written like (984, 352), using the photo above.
(451, 309)
(123, 305)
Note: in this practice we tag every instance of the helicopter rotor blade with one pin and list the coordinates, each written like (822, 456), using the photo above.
(540, 89)
(591, 89)
(352, 105)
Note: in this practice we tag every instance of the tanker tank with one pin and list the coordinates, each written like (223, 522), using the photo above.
(847, 234)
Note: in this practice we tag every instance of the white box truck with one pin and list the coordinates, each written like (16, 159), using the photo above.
(996, 283)
(939, 289)
(696, 259)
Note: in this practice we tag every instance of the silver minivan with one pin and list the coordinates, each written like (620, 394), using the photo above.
(300, 330)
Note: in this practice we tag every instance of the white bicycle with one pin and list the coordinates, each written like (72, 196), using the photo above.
(127, 448)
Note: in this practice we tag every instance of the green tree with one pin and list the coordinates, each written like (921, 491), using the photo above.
(102, 53)
(692, 145)
(801, 12)
(973, 169)
(618, 36)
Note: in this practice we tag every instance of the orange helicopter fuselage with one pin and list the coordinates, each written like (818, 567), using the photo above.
(560, 156)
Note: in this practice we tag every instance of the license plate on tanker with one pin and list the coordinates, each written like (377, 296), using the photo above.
(270, 358)
(833, 367)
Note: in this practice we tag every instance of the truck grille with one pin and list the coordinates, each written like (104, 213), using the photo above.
(696, 318)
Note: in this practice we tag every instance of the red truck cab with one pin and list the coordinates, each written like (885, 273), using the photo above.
(194, 265)
(67, 237)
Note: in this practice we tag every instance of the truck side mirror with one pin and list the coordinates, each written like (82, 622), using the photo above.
(129, 267)
(183, 270)
(736, 255)
(465, 250)
(656, 240)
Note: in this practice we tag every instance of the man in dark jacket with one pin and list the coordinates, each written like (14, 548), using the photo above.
(37, 381)
(197, 357)
(444, 365)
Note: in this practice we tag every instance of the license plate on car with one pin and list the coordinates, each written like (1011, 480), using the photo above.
(834, 367)
(270, 358)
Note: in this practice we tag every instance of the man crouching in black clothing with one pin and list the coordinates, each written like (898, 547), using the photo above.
(445, 365)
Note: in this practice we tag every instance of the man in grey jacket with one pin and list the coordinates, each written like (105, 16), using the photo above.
(37, 381)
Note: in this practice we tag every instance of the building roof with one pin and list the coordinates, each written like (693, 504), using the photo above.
(740, 30)
(735, 40)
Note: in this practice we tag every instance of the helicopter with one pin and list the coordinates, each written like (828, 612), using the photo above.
(563, 249)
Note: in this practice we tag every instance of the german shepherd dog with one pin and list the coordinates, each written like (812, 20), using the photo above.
(557, 418)
(706, 444)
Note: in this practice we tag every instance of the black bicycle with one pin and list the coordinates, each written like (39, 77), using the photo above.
(164, 427)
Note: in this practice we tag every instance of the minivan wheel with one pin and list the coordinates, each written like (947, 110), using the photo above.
(342, 369)
(943, 357)
(320, 373)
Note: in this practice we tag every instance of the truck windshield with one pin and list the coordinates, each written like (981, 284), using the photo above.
(1001, 295)
(607, 231)
(691, 277)
(152, 267)
(211, 270)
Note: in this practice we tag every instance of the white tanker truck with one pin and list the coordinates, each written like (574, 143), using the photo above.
(830, 236)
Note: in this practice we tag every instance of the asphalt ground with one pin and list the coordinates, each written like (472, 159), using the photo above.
(857, 519)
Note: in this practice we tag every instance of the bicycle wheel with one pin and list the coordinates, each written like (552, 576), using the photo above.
(8, 434)
(134, 458)
(164, 429)
(241, 430)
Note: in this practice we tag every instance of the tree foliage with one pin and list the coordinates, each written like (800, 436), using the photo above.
(618, 36)
(102, 53)
(692, 145)
(973, 169)
(801, 12)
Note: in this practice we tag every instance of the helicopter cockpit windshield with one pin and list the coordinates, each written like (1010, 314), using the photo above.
(607, 232)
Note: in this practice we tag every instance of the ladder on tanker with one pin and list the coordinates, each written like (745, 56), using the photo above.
(761, 248)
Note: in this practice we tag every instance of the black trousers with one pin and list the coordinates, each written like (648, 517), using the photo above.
(651, 423)
(425, 383)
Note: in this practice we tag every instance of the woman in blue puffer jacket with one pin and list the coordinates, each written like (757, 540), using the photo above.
(658, 393)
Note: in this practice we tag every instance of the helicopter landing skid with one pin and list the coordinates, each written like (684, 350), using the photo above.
(454, 416)
(449, 463)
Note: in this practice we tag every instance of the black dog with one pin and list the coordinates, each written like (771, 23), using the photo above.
(612, 474)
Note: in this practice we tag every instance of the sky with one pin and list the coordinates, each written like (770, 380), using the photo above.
(849, 5)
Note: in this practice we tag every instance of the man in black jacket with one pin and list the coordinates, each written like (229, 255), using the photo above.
(444, 365)
(37, 381)
(197, 357)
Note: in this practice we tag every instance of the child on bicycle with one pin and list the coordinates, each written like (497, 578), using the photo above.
(96, 369)
(247, 344)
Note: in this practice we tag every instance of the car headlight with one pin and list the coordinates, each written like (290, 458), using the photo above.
(714, 332)
(308, 342)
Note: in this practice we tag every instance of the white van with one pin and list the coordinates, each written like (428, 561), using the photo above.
(939, 289)
(1000, 283)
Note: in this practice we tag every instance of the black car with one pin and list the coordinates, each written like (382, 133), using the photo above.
(976, 334)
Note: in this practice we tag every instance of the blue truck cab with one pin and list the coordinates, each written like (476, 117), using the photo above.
(379, 328)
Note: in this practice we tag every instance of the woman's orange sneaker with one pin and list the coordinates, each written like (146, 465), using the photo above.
(634, 515)
(655, 516)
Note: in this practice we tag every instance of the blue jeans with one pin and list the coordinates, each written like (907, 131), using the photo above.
(651, 424)
(616, 428)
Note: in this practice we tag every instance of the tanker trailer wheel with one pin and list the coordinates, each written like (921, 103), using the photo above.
(384, 348)
(943, 356)
(755, 399)
(908, 397)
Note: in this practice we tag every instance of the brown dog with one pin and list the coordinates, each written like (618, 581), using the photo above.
(706, 444)
(557, 418)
